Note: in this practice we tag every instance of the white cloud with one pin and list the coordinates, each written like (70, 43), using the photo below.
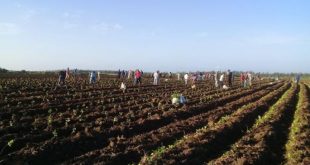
(7, 28)
(105, 27)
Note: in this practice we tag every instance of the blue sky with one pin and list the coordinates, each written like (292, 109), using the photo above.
(169, 35)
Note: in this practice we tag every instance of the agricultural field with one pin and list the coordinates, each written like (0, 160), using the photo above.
(80, 123)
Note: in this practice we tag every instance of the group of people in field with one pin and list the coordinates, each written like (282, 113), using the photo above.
(94, 76)
(221, 79)
(246, 79)
(65, 74)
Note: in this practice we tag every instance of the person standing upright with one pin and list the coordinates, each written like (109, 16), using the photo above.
(68, 73)
(119, 74)
(216, 83)
(249, 79)
(221, 82)
(230, 77)
(98, 75)
(242, 80)
(129, 74)
(137, 77)
(156, 78)
(92, 77)
(62, 77)
(186, 78)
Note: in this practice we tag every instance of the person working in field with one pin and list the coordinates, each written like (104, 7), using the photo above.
(186, 78)
(68, 73)
(249, 79)
(62, 77)
(156, 78)
(119, 73)
(137, 77)
(221, 82)
(123, 87)
(242, 80)
(123, 74)
(129, 74)
(179, 76)
(194, 78)
(246, 79)
(92, 77)
(74, 73)
(216, 83)
(98, 77)
(230, 77)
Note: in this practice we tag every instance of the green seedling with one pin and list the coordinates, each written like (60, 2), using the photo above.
(11, 142)
(55, 133)
(49, 120)
(115, 120)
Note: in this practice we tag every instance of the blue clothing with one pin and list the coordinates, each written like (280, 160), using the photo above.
(93, 77)
(182, 100)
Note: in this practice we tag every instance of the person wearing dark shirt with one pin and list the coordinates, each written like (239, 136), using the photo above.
(230, 77)
(119, 74)
(62, 77)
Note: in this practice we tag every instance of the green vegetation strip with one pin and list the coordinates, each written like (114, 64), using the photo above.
(158, 153)
(298, 145)
(246, 148)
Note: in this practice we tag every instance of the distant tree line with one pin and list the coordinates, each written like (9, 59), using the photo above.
(2, 70)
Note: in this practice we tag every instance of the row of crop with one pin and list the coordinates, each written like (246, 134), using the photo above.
(110, 112)
(80, 99)
(93, 140)
(298, 145)
(264, 142)
(9, 86)
(20, 95)
(210, 141)
(138, 145)
(58, 123)
(73, 93)
(49, 101)
(32, 87)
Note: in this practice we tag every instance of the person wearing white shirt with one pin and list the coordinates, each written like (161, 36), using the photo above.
(216, 80)
(221, 80)
(186, 78)
(156, 78)
(249, 79)
(123, 87)
(98, 76)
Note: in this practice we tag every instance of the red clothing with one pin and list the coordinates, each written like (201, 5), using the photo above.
(137, 74)
(242, 77)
